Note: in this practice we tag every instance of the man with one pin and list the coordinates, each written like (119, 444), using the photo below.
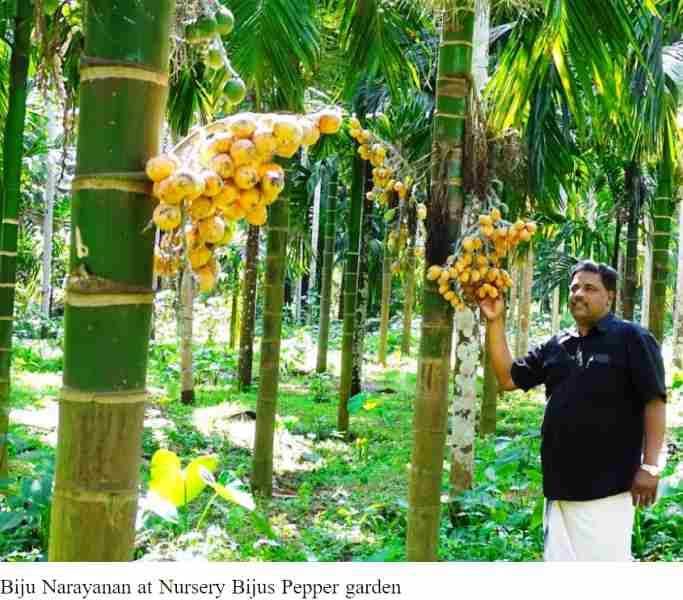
(604, 422)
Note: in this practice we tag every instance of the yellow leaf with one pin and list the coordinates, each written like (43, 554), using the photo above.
(194, 484)
(370, 405)
(236, 496)
(166, 479)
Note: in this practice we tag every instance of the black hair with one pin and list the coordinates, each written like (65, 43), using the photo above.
(607, 274)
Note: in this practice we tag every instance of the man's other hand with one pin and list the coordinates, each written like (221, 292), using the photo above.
(644, 488)
(492, 308)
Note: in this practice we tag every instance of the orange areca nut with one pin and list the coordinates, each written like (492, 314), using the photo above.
(434, 272)
(162, 166)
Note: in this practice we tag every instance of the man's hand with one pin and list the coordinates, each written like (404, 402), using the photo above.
(644, 488)
(492, 308)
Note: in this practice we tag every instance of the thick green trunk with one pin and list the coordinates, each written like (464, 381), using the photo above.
(487, 423)
(10, 196)
(444, 219)
(677, 341)
(350, 293)
(328, 264)
(246, 360)
(269, 372)
(661, 236)
(630, 283)
(109, 293)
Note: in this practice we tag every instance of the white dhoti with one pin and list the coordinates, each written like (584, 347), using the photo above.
(589, 530)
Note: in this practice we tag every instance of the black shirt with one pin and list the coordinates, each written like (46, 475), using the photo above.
(597, 387)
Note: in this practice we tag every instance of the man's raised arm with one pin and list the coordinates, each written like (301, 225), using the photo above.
(501, 359)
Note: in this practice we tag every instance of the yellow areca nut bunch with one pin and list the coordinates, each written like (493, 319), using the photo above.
(232, 176)
(475, 272)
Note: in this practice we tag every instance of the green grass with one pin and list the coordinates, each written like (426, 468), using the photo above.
(345, 501)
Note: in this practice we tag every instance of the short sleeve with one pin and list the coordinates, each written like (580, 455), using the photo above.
(528, 372)
(647, 366)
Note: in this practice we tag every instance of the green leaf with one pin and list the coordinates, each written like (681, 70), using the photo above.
(356, 402)
(10, 520)
(537, 517)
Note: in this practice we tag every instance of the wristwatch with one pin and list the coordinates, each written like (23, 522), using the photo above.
(654, 470)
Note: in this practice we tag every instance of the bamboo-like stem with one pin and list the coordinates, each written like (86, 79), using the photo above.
(350, 293)
(328, 264)
(444, 220)
(106, 338)
(10, 197)
(269, 373)
(663, 215)
(248, 311)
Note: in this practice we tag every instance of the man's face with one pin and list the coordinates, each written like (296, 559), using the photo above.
(589, 300)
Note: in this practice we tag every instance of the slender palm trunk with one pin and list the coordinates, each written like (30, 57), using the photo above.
(363, 296)
(630, 280)
(269, 371)
(234, 316)
(678, 314)
(527, 280)
(385, 302)
(298, 292)
(9, 205)
(328, 263)
(248, 312)
(663, 215)
(409, 303)
(109, 293)
(186, 328)
(621, 268)
(351, 292)
(444, 219)
(646, 277)
(313, 288)
(48, 219)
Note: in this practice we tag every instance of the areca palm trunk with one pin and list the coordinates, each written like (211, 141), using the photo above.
(234, 315)
(555, 320)
(48, 218)
(677, 343)
(444, 218)
(269, 371)
(633, 186)
(328, 263)
(246, 359)
(409, 285)
(661, 234)
(12, 157)
(350, 293)
(186, 335)
(646, 277)
(385, 302)
(109, 295)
